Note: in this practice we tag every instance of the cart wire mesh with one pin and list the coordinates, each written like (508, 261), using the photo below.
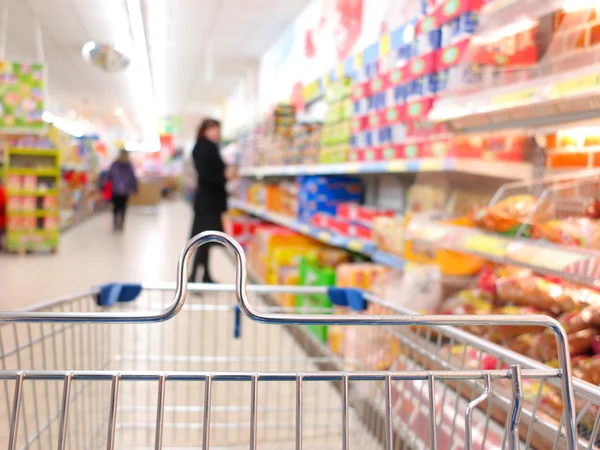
(180, 367)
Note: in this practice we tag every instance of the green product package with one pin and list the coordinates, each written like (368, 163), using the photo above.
(311, 274)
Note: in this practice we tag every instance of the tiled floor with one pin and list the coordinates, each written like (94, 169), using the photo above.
(91, 254)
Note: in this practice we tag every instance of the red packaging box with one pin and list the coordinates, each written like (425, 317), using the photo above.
(421, 66)
(451, 9)
(360, 123)
(391, 152)
(392, 115)
(361, 90)
(452, 55)
(411, 151)
(354, 154)
(436, 149)
(396, 77)
(358, 213)
(372, 154)
(418, 109)
(359, 231)
(378, 84)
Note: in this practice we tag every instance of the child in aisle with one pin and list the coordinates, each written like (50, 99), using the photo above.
(123, 183)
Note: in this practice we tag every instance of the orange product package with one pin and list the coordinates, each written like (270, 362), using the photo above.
(509, 214)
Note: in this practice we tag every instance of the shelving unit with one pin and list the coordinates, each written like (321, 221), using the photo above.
(363, 247)
(32, 180)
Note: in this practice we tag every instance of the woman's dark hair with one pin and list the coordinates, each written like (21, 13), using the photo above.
(205, 125)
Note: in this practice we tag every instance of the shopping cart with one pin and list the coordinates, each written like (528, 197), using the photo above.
(170, 366)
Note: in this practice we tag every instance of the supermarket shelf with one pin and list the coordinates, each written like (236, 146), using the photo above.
(35, 193)
(355, 245)
(40, 171)
(549, 101)
(34, 151)
(577, 265)
(36, 213)
(501, 169)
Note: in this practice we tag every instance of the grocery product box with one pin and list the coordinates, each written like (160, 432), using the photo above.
(358, 213)
(312, 274)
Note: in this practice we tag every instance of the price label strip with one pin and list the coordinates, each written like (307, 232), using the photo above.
(493, 246)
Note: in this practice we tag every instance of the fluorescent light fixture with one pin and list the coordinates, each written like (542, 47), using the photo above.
(132, 146)
(146, 99)
(87, 49)
(48, 117)
(119, 112)
(576, 5)
(68, 126)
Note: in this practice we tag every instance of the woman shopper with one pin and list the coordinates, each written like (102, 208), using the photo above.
(123, 183)
(210, 200)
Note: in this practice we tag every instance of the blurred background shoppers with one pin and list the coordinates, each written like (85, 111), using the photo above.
(210, 201)
(123, 183)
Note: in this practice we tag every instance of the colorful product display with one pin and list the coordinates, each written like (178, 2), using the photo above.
(32, 187)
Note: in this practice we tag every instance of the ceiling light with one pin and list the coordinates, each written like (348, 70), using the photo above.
(70, 127)
(119, 112)
(87, 49)
(576, 5)
(146, 99)
(48, 117)
(132, 146)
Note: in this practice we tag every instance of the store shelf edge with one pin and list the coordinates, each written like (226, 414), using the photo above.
(351, 244)
(573, 264)
(503, 169)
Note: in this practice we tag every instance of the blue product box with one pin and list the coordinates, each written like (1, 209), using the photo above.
(404, 53)
(416, 88)
(400, 94)
(428, 42)
(459, 27)
(442, 79)
(368, 139)
(370, 103)
(430, 84)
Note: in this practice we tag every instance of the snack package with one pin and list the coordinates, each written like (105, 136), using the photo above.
(581, 342)
(574, 231)
(504, 333)
(509, 214)
(388, 234)
(575, 321)
(525, 289)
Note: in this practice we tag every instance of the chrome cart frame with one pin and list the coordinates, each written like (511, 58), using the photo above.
(76, 375)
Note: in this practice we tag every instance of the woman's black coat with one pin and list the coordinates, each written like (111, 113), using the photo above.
(211, 193)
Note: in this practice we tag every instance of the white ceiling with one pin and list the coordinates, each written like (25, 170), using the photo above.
(182, 36)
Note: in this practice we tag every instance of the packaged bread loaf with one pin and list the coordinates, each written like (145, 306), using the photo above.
(506, 332)
(508, 215)
(575, 321)
(573, 231)
(527, 289)
(580, 343)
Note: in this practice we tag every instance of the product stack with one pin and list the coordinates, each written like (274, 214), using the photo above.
(392, 107)
(323, 194)
(307, 139)
(277, 140)
(336, 134)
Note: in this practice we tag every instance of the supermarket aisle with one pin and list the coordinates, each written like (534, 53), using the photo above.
(91, 254)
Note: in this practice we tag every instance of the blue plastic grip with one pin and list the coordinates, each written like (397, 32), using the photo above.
(237, 323)
(117, 292)
(347, 297)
